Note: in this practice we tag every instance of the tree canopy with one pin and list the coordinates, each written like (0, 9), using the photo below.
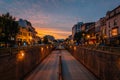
(8, 28)
(47, 39)
(79, 35)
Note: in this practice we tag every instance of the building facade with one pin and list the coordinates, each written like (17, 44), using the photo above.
(76, 28)
(113, 26)
(91, 32)
(103, 32)
(27, 34)
(85, 28)
(100, 31)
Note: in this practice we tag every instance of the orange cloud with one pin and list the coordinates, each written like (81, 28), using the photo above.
(58, 34)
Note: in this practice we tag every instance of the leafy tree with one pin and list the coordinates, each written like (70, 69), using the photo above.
(45, 40)
(9, 29)
(78, 36)
(39, 42)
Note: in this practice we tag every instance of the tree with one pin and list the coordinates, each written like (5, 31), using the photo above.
(9, 28)
(45, 40)
(48, 39)
(78, 36)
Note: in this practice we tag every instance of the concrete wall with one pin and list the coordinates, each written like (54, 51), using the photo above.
(105, 65)
(18, 62)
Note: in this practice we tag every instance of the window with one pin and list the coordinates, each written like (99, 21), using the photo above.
(114, 31)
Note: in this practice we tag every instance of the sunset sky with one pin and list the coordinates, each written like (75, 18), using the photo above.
(56, 17)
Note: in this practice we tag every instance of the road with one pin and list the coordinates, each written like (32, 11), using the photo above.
(47, 70)
(71, 68)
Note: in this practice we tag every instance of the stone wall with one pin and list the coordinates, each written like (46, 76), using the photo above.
(16, 63)
(105, 65)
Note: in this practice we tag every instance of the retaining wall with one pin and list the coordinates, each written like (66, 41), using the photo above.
(105, 65)
(15, 63)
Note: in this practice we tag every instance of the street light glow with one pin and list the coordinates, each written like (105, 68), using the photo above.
(88, 36)
(21, 55)
(47, 47)
(74, 47)
(42, 48)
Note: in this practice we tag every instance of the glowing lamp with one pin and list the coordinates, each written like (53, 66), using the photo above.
(42, 48)
(74, 47)
(21, 55)
(47, 47)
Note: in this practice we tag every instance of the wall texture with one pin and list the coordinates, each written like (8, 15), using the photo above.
(105, 65)
(15, 63)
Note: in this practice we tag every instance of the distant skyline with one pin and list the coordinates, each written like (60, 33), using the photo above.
(56, 17)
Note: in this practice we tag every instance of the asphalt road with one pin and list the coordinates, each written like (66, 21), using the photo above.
(71, 68)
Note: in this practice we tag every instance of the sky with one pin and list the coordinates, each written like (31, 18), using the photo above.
(57, 17)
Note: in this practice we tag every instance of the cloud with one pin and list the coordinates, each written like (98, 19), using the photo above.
(55, 32)
(56, 17)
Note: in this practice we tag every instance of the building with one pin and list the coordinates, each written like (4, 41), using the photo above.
(103, 33)
(85, 28)
(27, 34)
(97, 31)
(91, 32)
(76, 28)
(113, 26)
